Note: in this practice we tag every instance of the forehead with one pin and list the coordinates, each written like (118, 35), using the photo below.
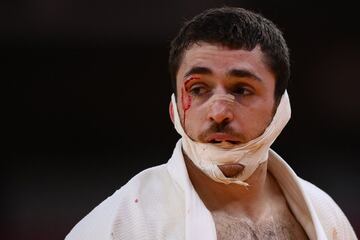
(220, 60)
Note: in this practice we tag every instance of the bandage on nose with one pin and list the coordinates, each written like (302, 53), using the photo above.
(221, 97)
(219, 107)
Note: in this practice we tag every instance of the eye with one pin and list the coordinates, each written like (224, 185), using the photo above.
(242, 90)
(198, 89)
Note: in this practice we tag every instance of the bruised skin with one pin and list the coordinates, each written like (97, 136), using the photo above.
(229, 170)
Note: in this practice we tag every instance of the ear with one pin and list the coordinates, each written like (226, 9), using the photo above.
(171, 112)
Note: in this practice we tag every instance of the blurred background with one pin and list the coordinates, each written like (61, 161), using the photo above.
(89, 91)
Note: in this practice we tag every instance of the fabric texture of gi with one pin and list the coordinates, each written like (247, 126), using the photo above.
(161, 203)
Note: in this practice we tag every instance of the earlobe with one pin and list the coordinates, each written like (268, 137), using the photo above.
(171, 112)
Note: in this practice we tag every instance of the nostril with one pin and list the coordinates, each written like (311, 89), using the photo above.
(220, 117)
(220, 111)
(220, 120)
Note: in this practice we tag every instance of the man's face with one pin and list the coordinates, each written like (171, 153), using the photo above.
(208, 70)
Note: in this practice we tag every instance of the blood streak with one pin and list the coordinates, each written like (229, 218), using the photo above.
(185, 97)
(186, 102)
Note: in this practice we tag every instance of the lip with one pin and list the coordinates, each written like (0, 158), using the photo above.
(222, 137)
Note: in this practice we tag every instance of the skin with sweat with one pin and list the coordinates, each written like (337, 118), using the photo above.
(260, 210)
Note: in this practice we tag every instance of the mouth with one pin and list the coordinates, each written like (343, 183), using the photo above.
(223, 140)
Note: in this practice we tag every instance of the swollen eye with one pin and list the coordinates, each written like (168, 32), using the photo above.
(198, 90)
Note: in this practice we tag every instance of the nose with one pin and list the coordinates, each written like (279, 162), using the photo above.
(220, 112)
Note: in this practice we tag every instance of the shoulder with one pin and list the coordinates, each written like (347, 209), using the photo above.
(331, 217)
(131, 211)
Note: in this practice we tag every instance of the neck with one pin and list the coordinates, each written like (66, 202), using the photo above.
(232, 199)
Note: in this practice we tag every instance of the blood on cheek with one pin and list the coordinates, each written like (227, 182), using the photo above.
(185, 101)
(186, 97)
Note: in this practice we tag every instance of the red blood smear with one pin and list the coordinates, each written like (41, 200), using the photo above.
(185, 97)
(186, 102)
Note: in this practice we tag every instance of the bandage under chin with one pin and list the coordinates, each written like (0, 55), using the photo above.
(207, 156)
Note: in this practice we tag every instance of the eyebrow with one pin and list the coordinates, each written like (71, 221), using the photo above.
(240, 73)
(198, 70)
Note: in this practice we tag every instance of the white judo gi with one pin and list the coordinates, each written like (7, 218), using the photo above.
(161, 203)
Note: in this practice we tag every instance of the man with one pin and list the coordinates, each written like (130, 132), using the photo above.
(230, 69)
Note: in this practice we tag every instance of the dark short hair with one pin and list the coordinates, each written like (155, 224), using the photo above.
(234, 28)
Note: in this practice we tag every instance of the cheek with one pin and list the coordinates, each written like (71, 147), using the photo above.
(194, 122)
(256, 121)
